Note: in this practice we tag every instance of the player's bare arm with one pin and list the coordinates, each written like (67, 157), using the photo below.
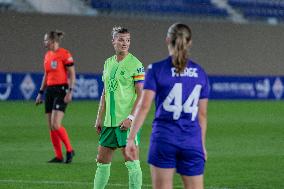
(202, 117)
(72, 79)
(98, 124)
(41, 90)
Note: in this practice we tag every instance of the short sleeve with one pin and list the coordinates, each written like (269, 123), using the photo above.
(205, 89)
(104, 72)
(150, 82)
(68, 59)
(103, 79)
(139, 73)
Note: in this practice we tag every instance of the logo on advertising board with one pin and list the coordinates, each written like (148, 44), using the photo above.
(6, 87)
(262, 88)
(278, 88)
(27, 86)
(86, 88)
(244, 89)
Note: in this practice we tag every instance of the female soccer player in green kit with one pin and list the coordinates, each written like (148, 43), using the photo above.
(123, 78)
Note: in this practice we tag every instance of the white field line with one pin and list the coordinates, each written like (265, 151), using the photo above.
(50, 182)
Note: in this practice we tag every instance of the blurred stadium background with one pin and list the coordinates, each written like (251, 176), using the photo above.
(239, 43)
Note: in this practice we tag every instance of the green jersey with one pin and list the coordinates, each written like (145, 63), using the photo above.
(119, 84)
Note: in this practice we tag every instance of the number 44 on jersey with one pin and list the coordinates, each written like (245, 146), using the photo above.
(190, 105)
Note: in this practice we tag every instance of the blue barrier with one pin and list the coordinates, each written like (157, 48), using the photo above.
(257, 87)
(25, 86)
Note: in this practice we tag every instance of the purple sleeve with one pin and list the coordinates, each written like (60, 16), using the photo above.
(205, 88)
(150, 79)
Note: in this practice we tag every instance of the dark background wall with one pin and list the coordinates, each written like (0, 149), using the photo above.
(222, 48)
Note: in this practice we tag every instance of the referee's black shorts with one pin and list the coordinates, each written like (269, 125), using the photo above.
(54, 98)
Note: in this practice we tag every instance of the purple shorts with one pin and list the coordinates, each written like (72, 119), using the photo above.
(187, 162)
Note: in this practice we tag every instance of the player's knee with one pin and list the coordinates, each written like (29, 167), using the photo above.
(103, 159)
(99, 159)
(55, 125)
(128, 158)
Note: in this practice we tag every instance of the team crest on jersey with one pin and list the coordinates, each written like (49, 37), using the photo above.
(53, 64)
(112, 85)
(122, 72)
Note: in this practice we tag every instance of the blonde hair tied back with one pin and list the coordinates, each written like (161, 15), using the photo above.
(180, 37)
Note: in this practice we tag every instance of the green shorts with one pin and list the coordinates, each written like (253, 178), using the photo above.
(115, 138)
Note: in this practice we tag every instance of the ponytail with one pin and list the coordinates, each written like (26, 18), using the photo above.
(60, 34)
(180, 54)
(180, 37)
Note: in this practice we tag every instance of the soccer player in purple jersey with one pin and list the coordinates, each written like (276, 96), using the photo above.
(180, 88)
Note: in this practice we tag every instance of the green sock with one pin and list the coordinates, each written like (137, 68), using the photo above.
(102, 175)
(135, 174)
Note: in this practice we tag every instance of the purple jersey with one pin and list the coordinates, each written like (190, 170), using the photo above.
(176, 100)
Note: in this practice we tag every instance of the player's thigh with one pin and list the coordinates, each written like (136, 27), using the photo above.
(59, 93)
(54, 98)
(48, 117)
(162, 178)
(108, 138)
(162, 155)
(190, 162)
(56, 119)
(193, 182)
(49, 100)
(104, 154)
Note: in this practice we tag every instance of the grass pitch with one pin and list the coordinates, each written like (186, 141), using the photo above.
(245, 144)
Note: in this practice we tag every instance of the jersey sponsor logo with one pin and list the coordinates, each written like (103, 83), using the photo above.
(27, 86)
(6, 88)
(188, 72)
(112, 85)
(53, 64)
(140, 70)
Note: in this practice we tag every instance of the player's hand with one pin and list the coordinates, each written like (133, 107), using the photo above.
(125, 124)
(98, 126)
(68, 97)
(130, 149)
(38, 99)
